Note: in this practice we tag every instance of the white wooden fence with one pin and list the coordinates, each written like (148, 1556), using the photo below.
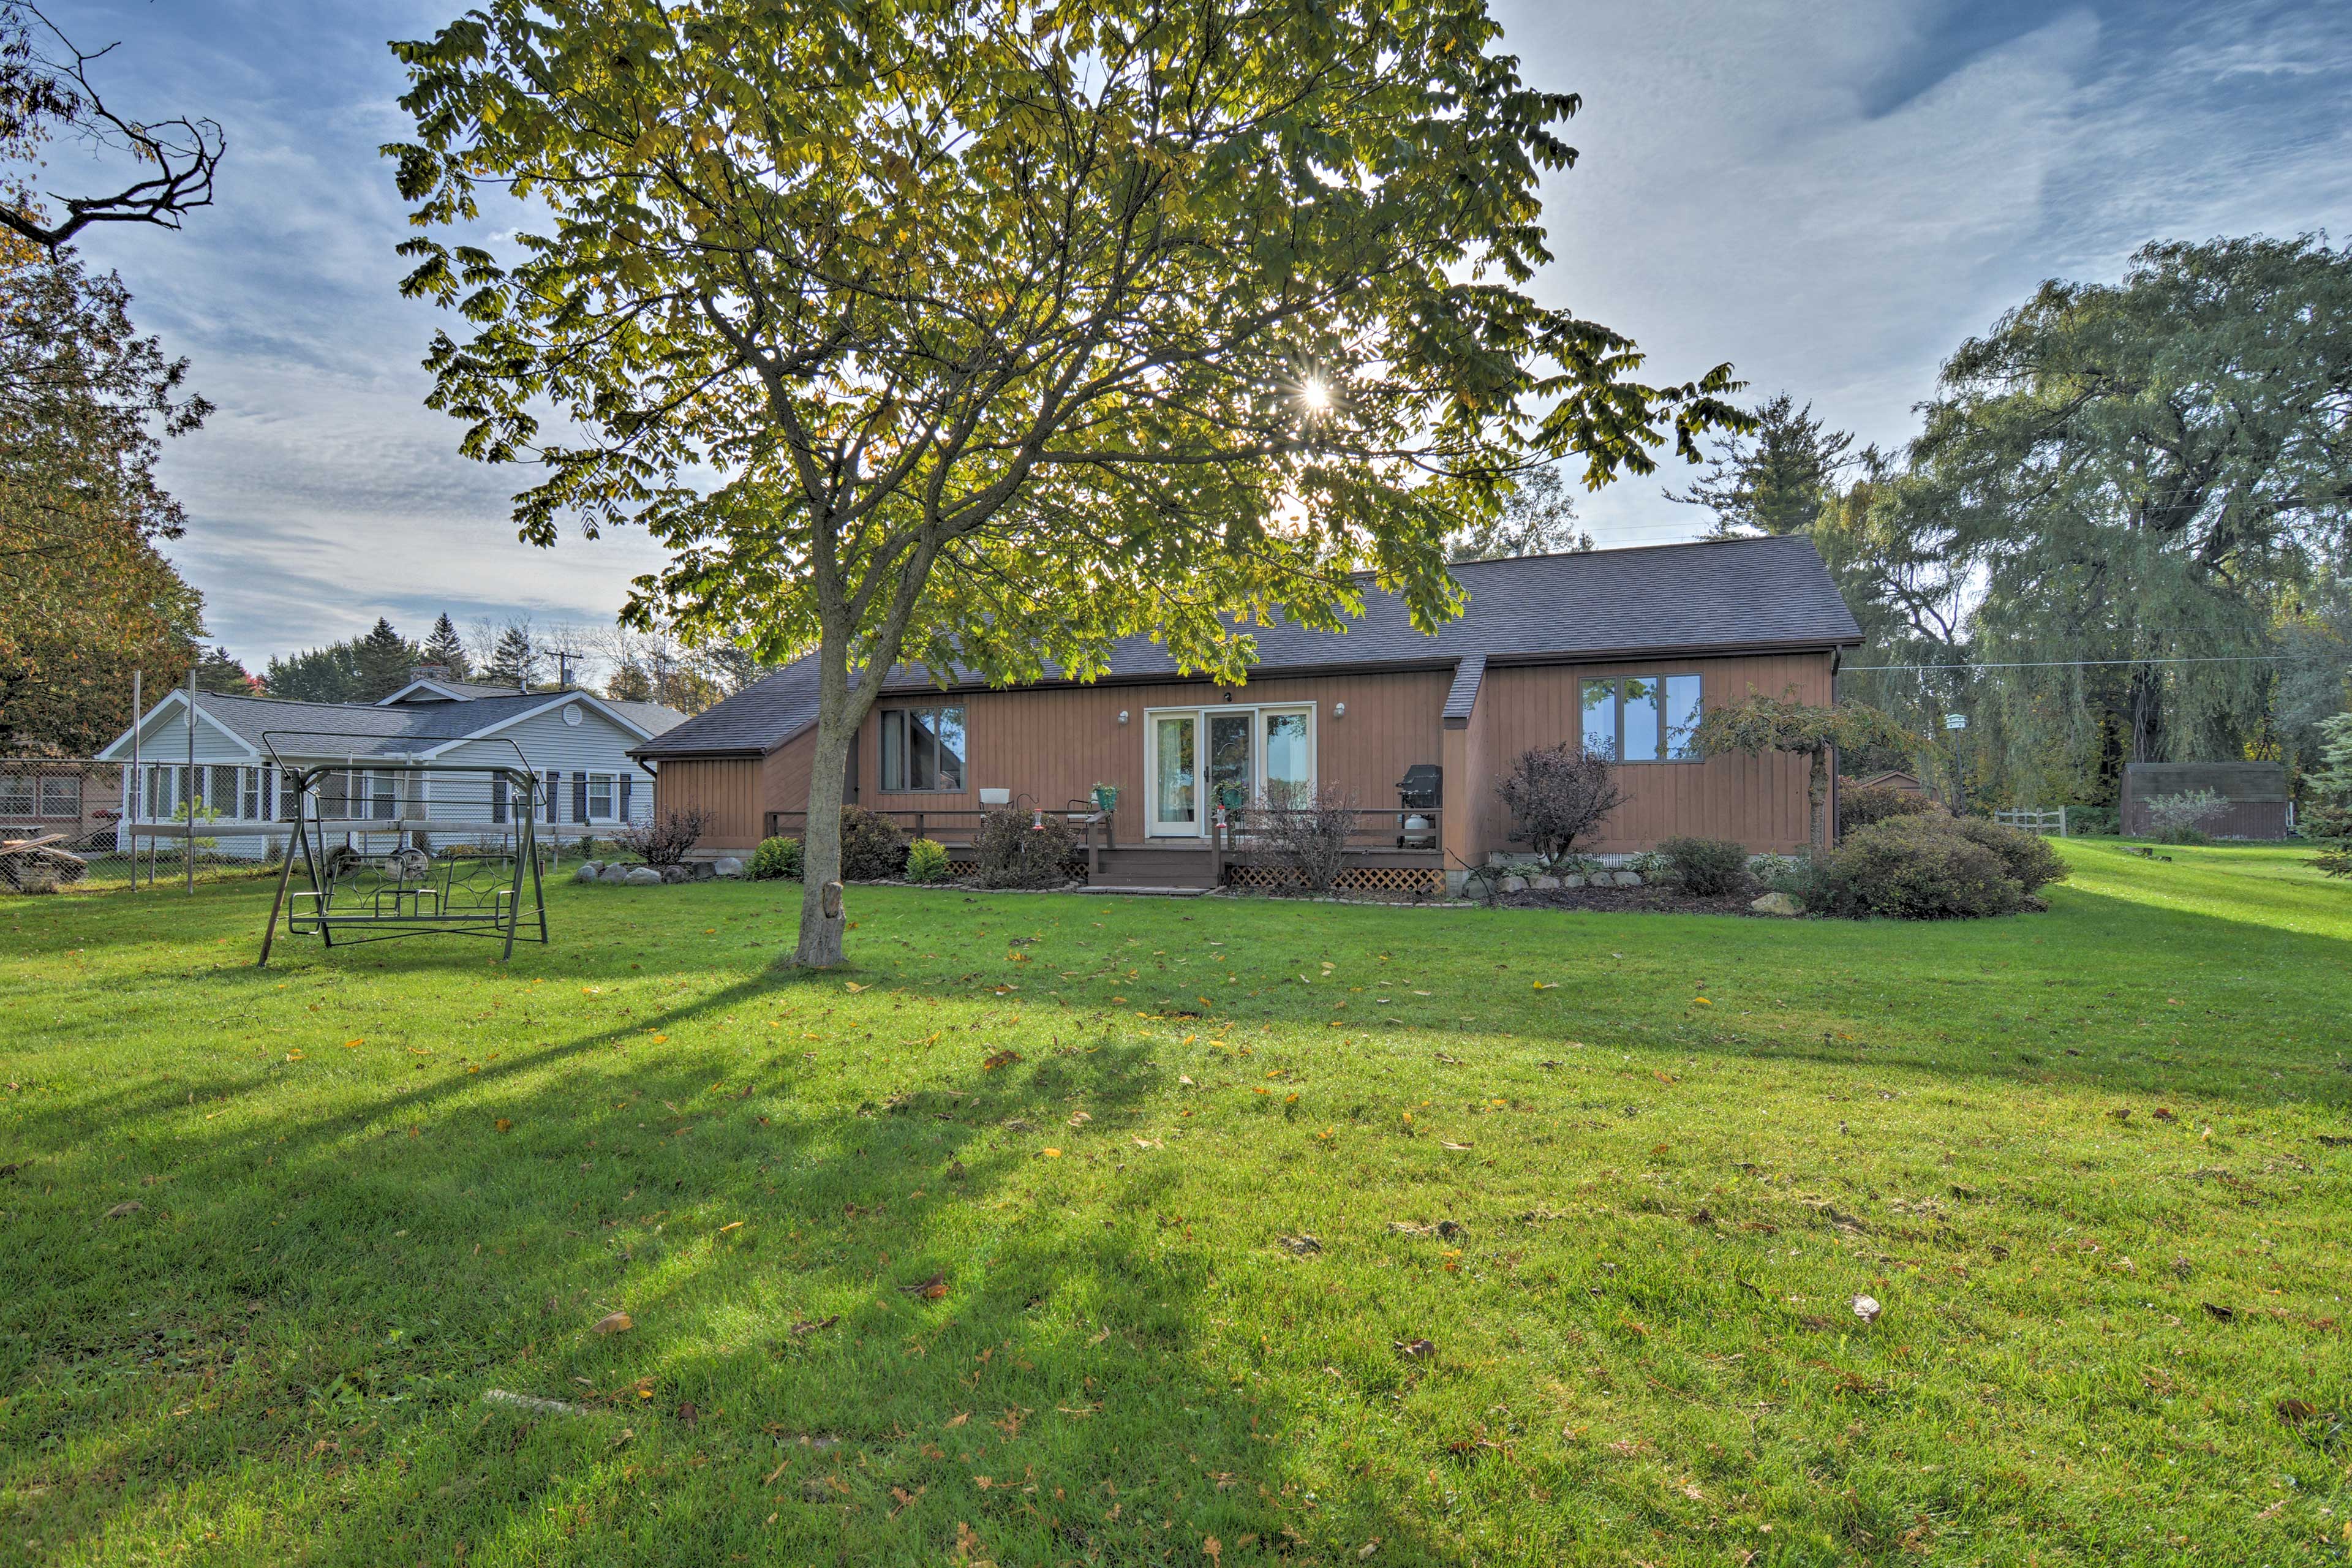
(2035, 821)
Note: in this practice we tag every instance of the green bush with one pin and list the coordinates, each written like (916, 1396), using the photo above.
(1709, 868)
(927, 861)
(776, 858)
(1860, 804)
(1913, 868)
(2090, 821)
(2026, 857)
(1011, 850)
(872, 848)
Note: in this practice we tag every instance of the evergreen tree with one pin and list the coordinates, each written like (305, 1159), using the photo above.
(445, 647)
(386, 662)
(219, 671)
(330, 674)
(1774, 479)
(515, 661)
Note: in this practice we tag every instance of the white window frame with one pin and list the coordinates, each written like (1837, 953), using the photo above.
(31, 797)
(612, 786)
(1204, 808)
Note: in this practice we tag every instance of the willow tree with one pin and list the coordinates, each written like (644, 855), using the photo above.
(977, 335)
(2135, 478)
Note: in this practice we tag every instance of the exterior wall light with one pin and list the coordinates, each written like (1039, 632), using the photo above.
(1122, 715)
(1338, 710)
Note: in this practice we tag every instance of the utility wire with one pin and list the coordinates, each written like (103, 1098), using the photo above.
(2076, 663)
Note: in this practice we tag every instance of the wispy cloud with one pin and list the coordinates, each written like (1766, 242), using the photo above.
(1829, 193)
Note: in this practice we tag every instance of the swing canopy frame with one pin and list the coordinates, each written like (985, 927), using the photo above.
(390, 845)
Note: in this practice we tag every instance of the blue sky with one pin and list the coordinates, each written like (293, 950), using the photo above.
(1830, 193)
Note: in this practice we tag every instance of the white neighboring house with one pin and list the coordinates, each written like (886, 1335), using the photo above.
(576, 742)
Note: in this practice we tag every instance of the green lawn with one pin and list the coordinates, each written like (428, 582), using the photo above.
(2081, 1159)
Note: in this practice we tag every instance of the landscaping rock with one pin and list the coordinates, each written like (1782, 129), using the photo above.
(727, 866)
(643, 877)
(587, 873)
(1544, 884)
(1627, 879)
(675, 874)
(596, 865)
(1515, 884)
(1778, 904)
(1573, 880)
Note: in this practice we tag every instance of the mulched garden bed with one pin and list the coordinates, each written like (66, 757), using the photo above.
(1647, 899)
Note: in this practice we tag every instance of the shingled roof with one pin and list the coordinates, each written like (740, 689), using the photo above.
(352, 729)
(1719, 596)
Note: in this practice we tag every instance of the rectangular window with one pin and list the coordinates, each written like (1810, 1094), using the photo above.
(384, 800)
(15, 794)
(497, 797)
(61, 796)
(223, 791)
(249, 800)
(923, 748)
(599, 797)
(290, 795)
(1642, 718)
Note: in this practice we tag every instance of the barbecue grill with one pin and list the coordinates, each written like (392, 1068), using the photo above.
(1420, 789)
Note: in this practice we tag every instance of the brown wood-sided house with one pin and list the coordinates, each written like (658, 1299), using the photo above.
(1617, 650)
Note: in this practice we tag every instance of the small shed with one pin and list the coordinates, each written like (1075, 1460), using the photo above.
(1896, 779)
(2256, 793)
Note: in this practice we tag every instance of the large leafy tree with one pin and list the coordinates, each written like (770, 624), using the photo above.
(2139, 473)
(1537, 517)
(982, 334)
(84, 595)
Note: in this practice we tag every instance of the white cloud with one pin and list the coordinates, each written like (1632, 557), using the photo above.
(1831, 193)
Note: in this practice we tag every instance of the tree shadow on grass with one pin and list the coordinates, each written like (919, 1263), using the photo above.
(294, 1344)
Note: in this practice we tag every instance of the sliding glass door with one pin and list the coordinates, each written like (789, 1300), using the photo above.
(1233, 757)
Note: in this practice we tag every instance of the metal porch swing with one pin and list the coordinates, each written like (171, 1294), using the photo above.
(392, 845)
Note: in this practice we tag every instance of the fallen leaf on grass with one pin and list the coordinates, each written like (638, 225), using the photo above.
(960, 1418)
(2296, 1412)
(293, 1056)
(353, 1045)
(1457, 1148)
(503, 1125)
(613, 1323)
(807, 1326)
(1051, 1154)
(1302, 1245)
(2219, 1313)
(999, 1058)
(125, 1210)
(1866, 1307)
(852, 986)
(930, 1289)
(1415, 1349)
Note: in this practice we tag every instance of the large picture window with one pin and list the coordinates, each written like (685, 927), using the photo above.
(922, 747)
(1642, 718)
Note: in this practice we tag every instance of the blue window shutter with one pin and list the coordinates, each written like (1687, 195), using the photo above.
(554, 792)
(627, 782)
(499, 797)
(578, 797)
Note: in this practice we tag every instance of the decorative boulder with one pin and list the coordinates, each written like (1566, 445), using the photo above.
(596, 866)
(643, 877)
(1628, 879)
(587, 873)
(1573, 880)
(727, 866)
(675, 874)
(1515, 884)
(1544, 884)
(1778, 904)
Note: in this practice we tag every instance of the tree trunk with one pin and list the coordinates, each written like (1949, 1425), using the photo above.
(839, 712)
(2147, 700)
(1817, 790)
